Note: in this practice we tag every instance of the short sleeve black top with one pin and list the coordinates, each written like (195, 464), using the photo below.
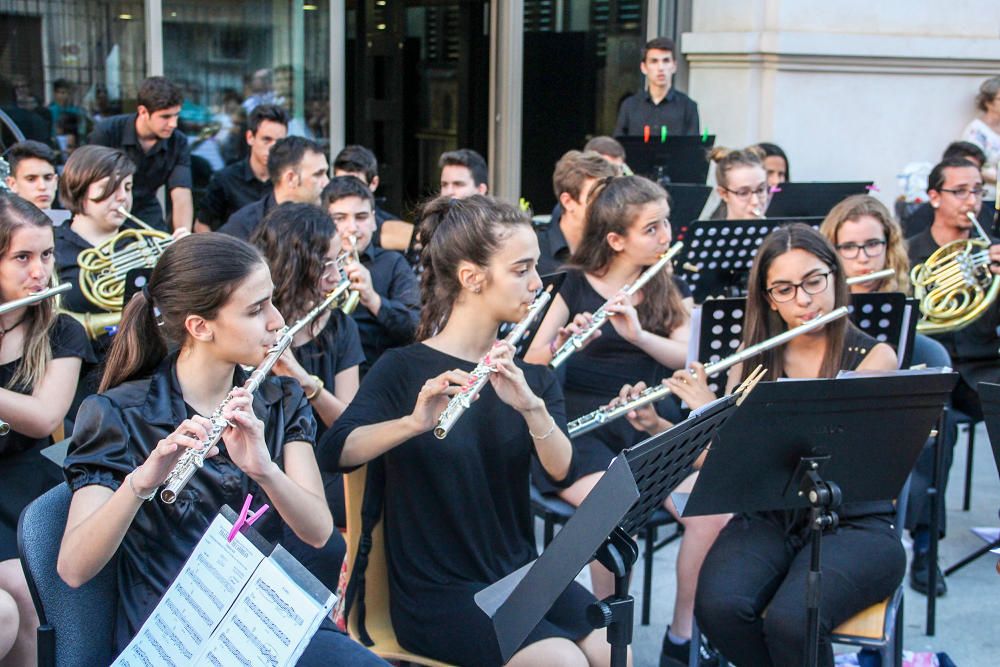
(117, 430)
(596, 373)
(457, 510)
(336, 348)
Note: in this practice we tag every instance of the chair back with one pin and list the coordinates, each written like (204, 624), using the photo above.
(76, 624)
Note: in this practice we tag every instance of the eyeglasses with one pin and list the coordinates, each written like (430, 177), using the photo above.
(872, 248)
(963, 193)
(746, 193)
(812, 285)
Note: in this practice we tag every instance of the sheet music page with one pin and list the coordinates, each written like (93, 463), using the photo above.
(269, 624)
(194, 604)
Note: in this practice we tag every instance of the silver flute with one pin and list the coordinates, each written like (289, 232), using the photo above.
(603, 415)
(461, 401)
(867, 277)
(597, 320)
(28, 301)
(193, 459)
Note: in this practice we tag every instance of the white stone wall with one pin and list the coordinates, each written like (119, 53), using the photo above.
(850, 89)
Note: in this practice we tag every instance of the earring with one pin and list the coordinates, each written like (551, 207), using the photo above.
(477, 289)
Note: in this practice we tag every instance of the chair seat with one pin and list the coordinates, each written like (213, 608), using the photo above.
(561, 510)
(868, 623)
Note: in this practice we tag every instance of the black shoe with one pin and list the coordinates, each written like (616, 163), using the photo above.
(920, 574)
(676, 655)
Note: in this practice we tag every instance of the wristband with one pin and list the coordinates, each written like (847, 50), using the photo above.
(547, 433)
(319, 387)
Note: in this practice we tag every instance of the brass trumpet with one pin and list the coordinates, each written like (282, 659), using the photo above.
(955, 285)
(350, 303)
(104, 267)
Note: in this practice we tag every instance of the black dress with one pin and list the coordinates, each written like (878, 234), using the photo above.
(24, 473)
(116, 431)
(595, 374)
(760, 562)
(457, 511)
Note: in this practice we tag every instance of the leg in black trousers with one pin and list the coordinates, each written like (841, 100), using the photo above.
(751, 592)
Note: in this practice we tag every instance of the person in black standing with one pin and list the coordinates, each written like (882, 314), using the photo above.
(298, 170)
(457, 513)
(660, 105)
(389, 306)
(246, 181)
(358, 161)
(955, 189)
(160, 152)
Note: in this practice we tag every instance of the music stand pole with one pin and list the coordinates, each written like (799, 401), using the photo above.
(618, 553)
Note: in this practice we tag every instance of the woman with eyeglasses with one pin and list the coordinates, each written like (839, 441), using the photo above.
(760, 560)
(868, 240)
(741, 183)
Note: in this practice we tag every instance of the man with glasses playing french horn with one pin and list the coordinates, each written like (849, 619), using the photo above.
(955, 188)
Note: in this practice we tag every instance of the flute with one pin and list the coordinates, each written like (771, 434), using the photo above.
(28, 301)
(597, 320)
(461, 401)
(603, 415)
(867, 277)
(193, 459)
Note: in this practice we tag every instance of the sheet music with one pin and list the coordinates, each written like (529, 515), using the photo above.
(197, 600)
(269, 624)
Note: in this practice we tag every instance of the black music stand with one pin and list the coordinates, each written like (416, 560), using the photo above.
(723, 251)
(635, 485)
(989, 399)
(687, 200)
(812, 199)
(816, 444)
(887, 317)
(716, 333)
(680, 158)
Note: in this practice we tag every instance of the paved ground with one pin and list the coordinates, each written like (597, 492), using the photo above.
(968, 617)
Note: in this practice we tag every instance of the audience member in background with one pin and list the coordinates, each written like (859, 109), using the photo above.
(574, 177)
(358, 161)
(33, 172)
(150, 138)
(660, 105)
(741, 183)
(244, 182)
(463, 174)
(984, 131)
(389, 309)
(775, 164)
(298, 170)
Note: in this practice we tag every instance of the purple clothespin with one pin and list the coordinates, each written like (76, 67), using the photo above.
(247, 518)
(872, 188)
(775, 189)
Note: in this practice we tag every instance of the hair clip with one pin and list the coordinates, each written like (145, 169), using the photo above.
(157, 315)
(872, 188)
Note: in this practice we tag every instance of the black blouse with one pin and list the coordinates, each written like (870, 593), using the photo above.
(457, 511)
(69, 244)
(24, 473)
(116, 431)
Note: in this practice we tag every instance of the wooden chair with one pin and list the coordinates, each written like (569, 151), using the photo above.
(377, 620)
(396, 235)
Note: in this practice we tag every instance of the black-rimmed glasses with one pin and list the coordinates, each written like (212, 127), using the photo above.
(814, 284)
(746, 193)
(961, 194)
(872, 248)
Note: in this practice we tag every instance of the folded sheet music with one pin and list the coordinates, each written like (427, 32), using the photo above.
(232, 605)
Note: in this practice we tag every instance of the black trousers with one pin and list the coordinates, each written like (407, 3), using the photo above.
(751, 600)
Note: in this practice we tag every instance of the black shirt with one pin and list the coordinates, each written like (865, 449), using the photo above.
(677, 111)
(117, 430)
(552, 246)
(69, 244)
(397, 319)
(334, 349)
(168, 163)
(242, 223)
(24, 473)
(230, 189)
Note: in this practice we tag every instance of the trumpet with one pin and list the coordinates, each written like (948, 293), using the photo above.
(868, 277)
(193, 459)
(28, 301)
(461, 401)
(576, 341)
(104, 267)
(955, 285)
(603, 415)
(350, 304)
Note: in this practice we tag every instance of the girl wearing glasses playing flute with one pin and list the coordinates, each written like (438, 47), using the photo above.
(868, 240)
(457, 509)
(741, 183)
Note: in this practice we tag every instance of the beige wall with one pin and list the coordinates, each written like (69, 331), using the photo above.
(849, 89)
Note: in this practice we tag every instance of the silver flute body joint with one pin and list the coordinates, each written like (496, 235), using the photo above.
(461, 401)
(597, 319)
(603, 415)
(193, 459)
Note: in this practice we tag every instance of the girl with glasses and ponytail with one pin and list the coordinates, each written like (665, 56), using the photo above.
(181, 349)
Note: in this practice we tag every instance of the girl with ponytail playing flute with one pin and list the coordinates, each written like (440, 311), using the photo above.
(217, 316)
(457, 509)
(760, 560)
(627, 229)
(41, 353)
